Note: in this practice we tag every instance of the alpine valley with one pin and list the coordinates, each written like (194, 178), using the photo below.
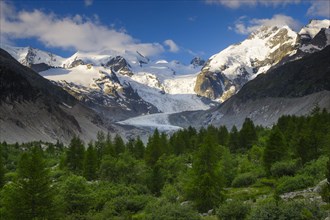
(275, 71)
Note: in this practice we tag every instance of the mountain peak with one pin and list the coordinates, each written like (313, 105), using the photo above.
(314, 27)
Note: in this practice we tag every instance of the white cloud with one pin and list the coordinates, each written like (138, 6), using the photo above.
(75, 32)
(241, 3)
(88, 2)
(242, 26)
(320, 8)
(173, 47)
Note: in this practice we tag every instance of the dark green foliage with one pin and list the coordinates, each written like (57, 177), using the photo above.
(206, 183)
(76, 195)
(233, 139)
(247, 135)
(275, 148)
(90, 163)
(245, 179)
(327, 173)
(31, 195)
(118, 145)
(100, 145)
(223, 136)
(153, 150)
(233, 210)
(315, 169)
(123, 169)
(289, 184)
(164, 210)
(228, 166)
(179, 174)
(75, 156)
(2, 169)
(284, 168)
(139, 149)
(296, 210)
(326, 188)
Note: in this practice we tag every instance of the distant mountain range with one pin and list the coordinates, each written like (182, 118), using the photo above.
(274, 71)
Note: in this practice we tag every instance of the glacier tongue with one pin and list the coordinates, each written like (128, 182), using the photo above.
(159, 121)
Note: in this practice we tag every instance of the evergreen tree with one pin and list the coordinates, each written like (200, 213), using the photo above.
(75, 156)
(33, 195)
(130, 146)
(139, 149)
(76, 196)
(90, 163)
(205, 188)
(233, 142)
(109, 148)
(164, 143)
(153, 150)
(100, 145)
(119, 145)
(328, 171)
(156, 180)
(2, 169)
(223, 136)
(275, 148)
(247, 135)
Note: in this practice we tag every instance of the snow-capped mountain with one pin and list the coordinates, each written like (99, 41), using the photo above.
(29, 56)
(120, 85)
(226, 72)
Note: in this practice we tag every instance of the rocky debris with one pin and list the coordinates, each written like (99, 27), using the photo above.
(312, 193)
(318, 188)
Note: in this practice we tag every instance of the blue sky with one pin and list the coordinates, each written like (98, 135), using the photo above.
(171, 29)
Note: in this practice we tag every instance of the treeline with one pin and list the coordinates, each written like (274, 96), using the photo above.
(172, 177)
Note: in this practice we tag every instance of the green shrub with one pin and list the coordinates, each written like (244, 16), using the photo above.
(325, 193)
(268, 210)
(296, 209)
(234, 210)
(266, 182)
(289, 184)
(284, 168)
(164, 210)
(245, 179)
(315, 169)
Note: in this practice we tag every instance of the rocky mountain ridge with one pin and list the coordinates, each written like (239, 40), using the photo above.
(294, 88)
(32, 108)
(226, 72)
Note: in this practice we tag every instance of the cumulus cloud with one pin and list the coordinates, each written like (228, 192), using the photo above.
(173, 47)
(88, 2)
(320, 8)
(76, 32)
(241, 3)
(245, 26)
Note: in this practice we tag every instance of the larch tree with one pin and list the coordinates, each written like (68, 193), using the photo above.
(33, 194)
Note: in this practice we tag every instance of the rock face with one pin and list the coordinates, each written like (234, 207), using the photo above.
(294, 88)
(33, 108)
(226, 72)
(120, 65)
(107, 95)
(76, 62)
(197, 61)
